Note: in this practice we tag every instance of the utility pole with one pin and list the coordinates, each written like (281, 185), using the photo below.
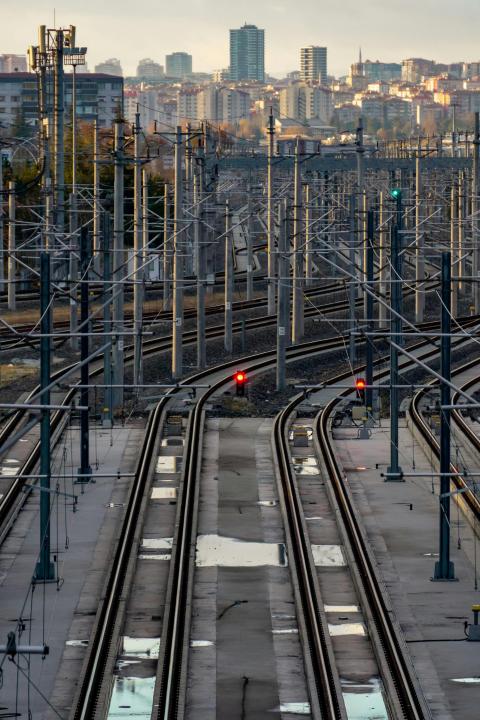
(360, 151)
(45, 570)
(460, 268)
(475, 220)
(454, 243)
(11, 265)
(201, 261)
(394, 470)
(419, 244)
(73, 273)
(146, 228)
(308, 238)
(298, 309)
(369, 315)
(107, 415)
(250, 244)
(2, 255)
(137, 256)
(118, 263)
(84, 470)
(352, 290)
(228, 281)
(270, 218)
(444, 569)
(178, 264)
(59, 140)
(166, 251)
(96, 198)
(283, 294)
(382, 309)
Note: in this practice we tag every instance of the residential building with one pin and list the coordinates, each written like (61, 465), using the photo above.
(149, 71)
(471, 70)
(346, 115)
(382, 72)
(13, 63)
(292, 104)
(110, 67)
(313, 64)
(247, 54)
(415, 69)
(396, 110)
(98, 95)
(187, 104)
(178, 65)
(233, 105)
(302, 102)
(222, 104)
(145, 101)
(220, 76)
(318, 103)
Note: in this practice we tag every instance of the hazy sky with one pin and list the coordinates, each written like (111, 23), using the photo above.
(442, 30)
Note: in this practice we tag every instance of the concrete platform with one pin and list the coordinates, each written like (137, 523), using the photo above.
(253, 662)
(48, 612)
(401, 521)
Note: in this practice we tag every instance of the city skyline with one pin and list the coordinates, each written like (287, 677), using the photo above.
(385, 33)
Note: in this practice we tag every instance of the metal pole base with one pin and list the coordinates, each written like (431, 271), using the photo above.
(43, 574)
(438, 574)
(85, 474)
(394, 475)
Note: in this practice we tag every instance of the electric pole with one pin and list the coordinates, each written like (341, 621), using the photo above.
(270, 218)
(178, 264)
(118, 263)
(298, 309)
(45, 570)
(444, 569)
(283, 294)
(11, 264)
(137, 256)
(228, 281)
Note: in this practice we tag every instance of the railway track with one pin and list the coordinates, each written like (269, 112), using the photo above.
(166, 316)
(467, 499)
(390, 650)
(174, 647)
(173, 658)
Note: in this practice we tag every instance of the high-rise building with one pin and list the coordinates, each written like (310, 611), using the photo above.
(178, 65)
(247, 54)
(110, 67)
(149, 71)
(313, 64)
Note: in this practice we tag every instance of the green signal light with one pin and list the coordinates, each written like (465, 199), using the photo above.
(396, 193)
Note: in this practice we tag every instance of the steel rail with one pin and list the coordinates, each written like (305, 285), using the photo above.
(316, 643)
(467, 496)
(174, 628)
(413, 706)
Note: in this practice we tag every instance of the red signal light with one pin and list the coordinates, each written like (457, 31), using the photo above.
(240, 378)
(360, 384)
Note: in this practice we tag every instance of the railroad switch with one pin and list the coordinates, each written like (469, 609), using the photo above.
(473, 631)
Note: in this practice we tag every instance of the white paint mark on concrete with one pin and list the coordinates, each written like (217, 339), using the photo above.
(347, 629)
(161, 493)
(328, 556)
(200, 643)
(342, 608)
(140, 647)
(216, 550)
(468, 681)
